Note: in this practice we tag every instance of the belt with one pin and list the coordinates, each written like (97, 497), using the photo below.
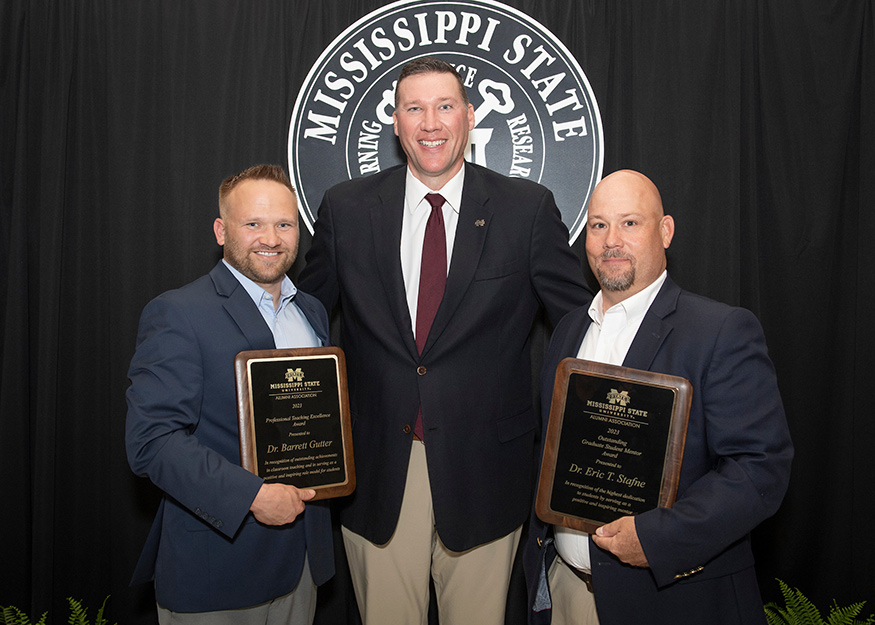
(586, 578)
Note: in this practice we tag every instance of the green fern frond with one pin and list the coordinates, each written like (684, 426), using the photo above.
(798, 610)
(8, 614)
(776, 615)
(801, 606)
(14, 616)
(848, 615)
(99, 620)
(842, 616)
(78, 614)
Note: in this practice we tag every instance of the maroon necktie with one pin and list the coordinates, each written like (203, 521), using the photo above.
(432, 279)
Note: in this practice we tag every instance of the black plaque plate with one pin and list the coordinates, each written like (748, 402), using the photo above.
(293, 418)
(614, 444)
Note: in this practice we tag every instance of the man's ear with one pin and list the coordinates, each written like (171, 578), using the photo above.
(667, 229)
(219, 230)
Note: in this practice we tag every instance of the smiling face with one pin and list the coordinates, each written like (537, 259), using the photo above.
(259, 230)
(432, 122)
(626, 235)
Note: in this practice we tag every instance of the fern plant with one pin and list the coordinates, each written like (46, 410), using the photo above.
(78, 615)
(798, 610)
(14, 616)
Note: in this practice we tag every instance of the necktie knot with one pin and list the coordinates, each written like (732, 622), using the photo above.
(435, 199)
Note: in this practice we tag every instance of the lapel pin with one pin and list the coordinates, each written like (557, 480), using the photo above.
(480, 223)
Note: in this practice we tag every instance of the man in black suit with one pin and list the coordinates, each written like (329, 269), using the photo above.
(438, 360)
(691, 563)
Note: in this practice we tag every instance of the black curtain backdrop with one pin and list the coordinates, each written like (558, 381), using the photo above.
(755, 118)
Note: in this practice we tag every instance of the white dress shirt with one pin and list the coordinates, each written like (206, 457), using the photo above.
(607, 340)
(416, 213)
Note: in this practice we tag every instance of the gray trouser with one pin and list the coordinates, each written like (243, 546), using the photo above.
(295, 608)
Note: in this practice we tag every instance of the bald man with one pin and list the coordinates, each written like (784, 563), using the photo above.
(691, 563)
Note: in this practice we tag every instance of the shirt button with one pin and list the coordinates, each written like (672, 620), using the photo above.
(421, 370)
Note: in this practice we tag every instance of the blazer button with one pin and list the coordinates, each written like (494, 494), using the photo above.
(407, 429)
(421, 370)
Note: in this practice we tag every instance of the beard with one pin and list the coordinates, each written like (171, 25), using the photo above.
(616, 282)
(242, 260)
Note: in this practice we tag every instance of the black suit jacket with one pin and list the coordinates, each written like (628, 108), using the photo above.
(473, 379)
(735, 471)
(206, 551)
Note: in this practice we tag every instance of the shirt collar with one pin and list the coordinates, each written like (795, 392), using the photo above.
(633, 307)
(415, 191)
(258, 294)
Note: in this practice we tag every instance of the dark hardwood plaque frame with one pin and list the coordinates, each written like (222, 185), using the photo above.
(614, 444)
(293, 418)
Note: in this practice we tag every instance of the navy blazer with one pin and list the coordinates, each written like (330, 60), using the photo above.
(473, 380)
(735, 471)
(206, 551)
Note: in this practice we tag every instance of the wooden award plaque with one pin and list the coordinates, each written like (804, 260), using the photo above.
(614, 444)
(293, 418)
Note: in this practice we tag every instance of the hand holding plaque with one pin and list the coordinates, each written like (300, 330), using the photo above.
(293, 418)
(614, 444)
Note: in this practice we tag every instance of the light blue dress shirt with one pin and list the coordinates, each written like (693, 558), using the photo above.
(287, 323)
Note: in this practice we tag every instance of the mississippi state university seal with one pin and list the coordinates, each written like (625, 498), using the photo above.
(535, 113)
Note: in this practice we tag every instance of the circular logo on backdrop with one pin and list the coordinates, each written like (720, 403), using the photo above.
(535, 113)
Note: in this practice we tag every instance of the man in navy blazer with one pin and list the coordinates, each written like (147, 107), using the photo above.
(691, 563)
(223, 539)
(447, 503)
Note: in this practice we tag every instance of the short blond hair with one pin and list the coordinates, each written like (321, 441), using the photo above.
(274, 173)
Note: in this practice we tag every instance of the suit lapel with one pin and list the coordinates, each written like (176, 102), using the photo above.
(386, 214)
(311, 312)
(574, 338)
(241, 308)
(474, 221)
(654, 329)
